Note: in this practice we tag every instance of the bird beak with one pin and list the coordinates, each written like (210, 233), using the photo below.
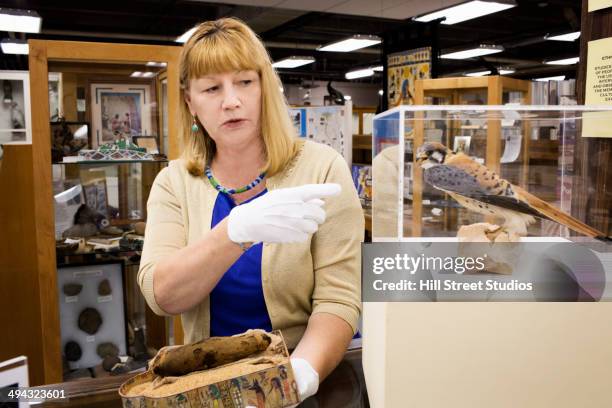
(421, 156)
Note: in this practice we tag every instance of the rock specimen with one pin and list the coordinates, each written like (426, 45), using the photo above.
(109, 362)
(72, 351)
(107, 349)
(72, 289)
(90, 320)
(104, 288)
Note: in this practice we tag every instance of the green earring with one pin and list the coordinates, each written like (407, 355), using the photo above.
(194, 126)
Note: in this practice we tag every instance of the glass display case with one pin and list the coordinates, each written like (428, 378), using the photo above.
(75, 212)
(530, 146)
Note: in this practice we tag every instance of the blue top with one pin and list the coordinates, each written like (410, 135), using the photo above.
(237, 302)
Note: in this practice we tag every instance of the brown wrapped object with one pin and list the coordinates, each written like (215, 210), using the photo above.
(208, 353)
(264, 379)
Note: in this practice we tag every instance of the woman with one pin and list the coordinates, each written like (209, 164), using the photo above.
(238, 235)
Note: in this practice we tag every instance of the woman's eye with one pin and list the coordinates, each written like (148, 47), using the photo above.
(246, 81)
(211, 89)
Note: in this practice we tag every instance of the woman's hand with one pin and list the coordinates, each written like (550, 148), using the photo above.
(283, 215)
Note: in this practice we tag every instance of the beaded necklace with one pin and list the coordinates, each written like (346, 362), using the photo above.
(231, 191)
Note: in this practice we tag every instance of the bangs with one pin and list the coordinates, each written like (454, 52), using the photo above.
(223, 52)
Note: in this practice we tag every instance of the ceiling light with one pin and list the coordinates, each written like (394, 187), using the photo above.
(474, 52)
(156, 64)
(148, 74)
(553, 78)
(565, 61)
(506, 71)
(360, 73)
(351, 44)
(477, 74)
(378, 68)
(381, 92)
(564, 37)
(183, 38)
(14, 46)
(466, 11)
(136, 74)
(19, 21)
(293, 62)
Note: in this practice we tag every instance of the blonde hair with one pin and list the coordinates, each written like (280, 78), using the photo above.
(223, 45)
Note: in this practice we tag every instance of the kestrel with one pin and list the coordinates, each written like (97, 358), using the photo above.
(481, 190)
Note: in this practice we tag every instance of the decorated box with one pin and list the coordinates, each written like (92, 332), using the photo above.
(263, 380)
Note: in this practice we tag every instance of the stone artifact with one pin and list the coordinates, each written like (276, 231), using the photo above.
(72, 289)
(104, 288)
(109, 362)
(107, 349)
(72, 351)
(90, 320)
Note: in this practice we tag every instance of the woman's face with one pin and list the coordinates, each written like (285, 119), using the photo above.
(228, 105)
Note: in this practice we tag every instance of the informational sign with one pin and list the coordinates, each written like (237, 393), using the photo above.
(599, 4)
(598, 88)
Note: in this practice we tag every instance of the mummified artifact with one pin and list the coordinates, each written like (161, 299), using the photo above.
(209, 353)
(104, 288)
(72, 289)
(72, 351)
(90, 320)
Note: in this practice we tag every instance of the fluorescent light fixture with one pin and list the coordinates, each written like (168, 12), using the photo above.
(466, 11)
(552, 78)
(474, 52)
(156, 64)
(136, 74)
(477, 74)
(293, 62)
(14, 47)
(564, 37)
(347, 97)
(351, 44)
(19, 21)
(378, 68)
(360, 73)
(183, 38)
(565, 61)
(148, 74)
(506, 71)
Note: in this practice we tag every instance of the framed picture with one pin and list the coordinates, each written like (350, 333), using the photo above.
(14, 373)
(15, 119)
(95, 191)
(67, 138)
(120, 111)
(56, 110)
(92, 312)
(148, 142)
(462, 144)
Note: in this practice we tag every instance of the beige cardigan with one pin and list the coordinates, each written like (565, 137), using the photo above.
(321, 275)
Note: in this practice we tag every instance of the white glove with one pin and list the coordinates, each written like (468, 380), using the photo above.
(283, 215)
(306, 377)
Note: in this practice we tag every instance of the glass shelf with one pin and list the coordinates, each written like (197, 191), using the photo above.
(112, 162)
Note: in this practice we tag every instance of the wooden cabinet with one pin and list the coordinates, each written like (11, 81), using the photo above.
(29, 300)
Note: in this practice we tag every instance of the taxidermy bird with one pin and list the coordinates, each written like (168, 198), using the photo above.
(336, 96)
(481, 190)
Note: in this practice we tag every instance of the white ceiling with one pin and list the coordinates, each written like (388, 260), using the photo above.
(394, 9)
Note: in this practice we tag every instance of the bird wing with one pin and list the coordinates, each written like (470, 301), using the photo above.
(462, 175)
